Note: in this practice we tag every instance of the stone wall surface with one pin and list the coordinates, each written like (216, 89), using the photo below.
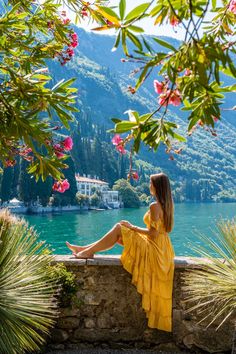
(108, 313)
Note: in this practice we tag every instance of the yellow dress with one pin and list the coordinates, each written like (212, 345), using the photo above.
(151, 263)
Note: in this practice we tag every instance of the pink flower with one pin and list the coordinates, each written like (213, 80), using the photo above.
(135, 176)
(164, 98)
(70, 52)
(67, 143)
(109, 23)
(175, 98)
(187, 72)
(174, 21)
(25, 151)
(74, 40)
(74, 44)
(57, 148)
(59, 155)
(116, 140)
(158, 86)
(232, 6)
(9, 163)
(74, 36)
(121, 149)
(84, 13)
(66, 21)
(61, 186)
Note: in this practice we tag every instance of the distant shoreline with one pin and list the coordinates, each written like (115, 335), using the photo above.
(23, 210)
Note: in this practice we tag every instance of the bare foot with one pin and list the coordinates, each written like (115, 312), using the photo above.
(83, 255)
(74, 248)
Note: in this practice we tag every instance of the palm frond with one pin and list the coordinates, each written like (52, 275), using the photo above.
(27, 292)
(211, 290)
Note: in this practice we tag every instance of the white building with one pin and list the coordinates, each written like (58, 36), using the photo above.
(86, 186)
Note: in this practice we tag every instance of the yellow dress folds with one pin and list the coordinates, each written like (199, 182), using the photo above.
(151, 263)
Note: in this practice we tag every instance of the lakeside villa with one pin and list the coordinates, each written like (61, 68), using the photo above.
(86, 186)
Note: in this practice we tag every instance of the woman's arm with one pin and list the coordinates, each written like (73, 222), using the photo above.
(149, 232)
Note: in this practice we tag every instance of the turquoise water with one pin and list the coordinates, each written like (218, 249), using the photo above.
(83, 228)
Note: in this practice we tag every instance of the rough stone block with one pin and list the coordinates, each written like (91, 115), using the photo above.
(69, 312)
(104, 321)
(68, 322)
(188, 340)
(89, 323)
(58, 335)
(156, 337)
(90, 299)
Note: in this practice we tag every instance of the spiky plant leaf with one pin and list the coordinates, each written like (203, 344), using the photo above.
(27, 291)
(211, 290)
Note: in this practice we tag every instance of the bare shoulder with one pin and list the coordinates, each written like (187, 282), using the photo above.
(156, 211)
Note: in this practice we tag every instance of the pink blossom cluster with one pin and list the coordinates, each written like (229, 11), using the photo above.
(119, 143)
(167, 96)
(232, 6)
(67, 54)
(21, 151)
(64, 145)
(134, 175)
(84, 12)
(61, 186)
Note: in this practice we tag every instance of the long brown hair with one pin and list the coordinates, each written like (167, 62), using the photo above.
(163, 194)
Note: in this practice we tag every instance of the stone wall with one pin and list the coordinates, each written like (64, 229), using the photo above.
(108, 313)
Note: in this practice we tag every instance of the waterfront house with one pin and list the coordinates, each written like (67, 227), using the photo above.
(86, 185)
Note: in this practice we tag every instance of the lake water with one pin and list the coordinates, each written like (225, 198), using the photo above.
(86, 227)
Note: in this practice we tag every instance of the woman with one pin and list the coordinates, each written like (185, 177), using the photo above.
(148, 254)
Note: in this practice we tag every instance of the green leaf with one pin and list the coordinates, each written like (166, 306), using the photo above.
(125, 126)
(213, 2)
(122, 7)
(135, 40)
(147, 45)
(193, 121)
(116, 120)
(179, 137)
(137, 142)
(63, 84)
(124, 45)
(136, 29)
(109, 14)
(136, 12)
(117, 42)
(164, 44)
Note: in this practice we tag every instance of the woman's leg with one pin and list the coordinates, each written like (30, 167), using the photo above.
(75, 248)
(105, 243)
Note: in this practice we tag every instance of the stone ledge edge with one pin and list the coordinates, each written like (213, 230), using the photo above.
(114, 260)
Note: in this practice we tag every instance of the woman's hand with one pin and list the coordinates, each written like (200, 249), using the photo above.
(126, 223)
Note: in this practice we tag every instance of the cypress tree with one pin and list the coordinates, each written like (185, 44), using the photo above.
(6, 186)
